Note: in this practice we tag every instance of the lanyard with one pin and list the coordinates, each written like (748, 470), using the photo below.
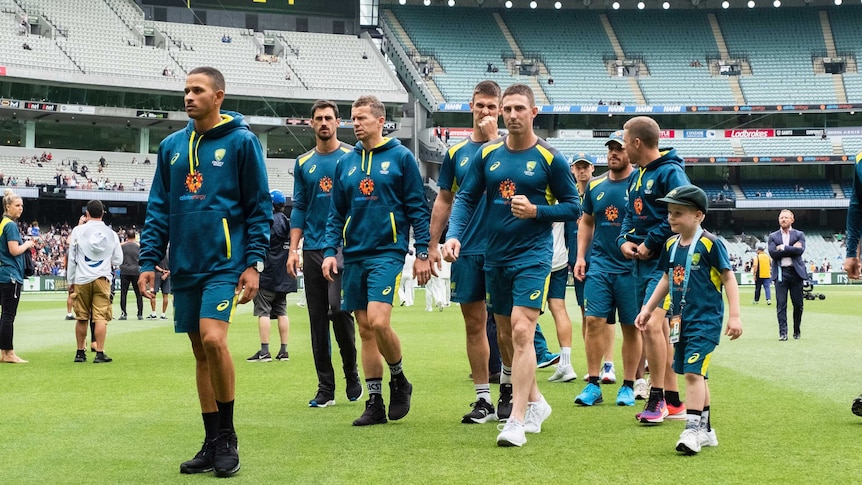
(688, 258)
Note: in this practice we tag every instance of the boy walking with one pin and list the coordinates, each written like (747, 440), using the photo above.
(695, 265)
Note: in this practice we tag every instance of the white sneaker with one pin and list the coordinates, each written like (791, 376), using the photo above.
(708, 438)
(607, 375)
(689, 441)
(563, 374)
(511, 433)
(641, 390)
(537, 413)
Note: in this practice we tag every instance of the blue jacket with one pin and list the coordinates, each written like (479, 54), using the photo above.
(790, 251)
(210, 199)
(377, 195)
(646, 220)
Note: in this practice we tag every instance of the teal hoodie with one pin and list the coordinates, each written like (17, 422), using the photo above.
(377, 195)
(210, 199)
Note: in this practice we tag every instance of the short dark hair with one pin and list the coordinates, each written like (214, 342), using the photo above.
(323, 104)
(216, 77)
(95, 208)
(487, 88)
(131, 234)
(523, 90)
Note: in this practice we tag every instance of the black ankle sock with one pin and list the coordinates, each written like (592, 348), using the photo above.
(225, 415)
(656, 394)
(211, 424)
(630, 384)
(672, 398)
(594, 380)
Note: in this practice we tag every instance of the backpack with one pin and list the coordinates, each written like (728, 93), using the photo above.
(29, 267)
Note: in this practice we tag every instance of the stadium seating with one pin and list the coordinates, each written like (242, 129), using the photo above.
(787, 189)
(787, 146)
(848, 38)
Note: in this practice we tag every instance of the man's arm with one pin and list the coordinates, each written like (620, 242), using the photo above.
(659, 234)
(439, 217)
(585, 239)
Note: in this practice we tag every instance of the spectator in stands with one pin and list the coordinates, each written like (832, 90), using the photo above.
(102, 162)
(768, 193)
(446, 135)
(365, 55)
(550, 81)
(786, 247)
(134, 160)
(426, 71)
(26, 47)
(120, 187)
(226, 38)
(490, 67)
(23, 27)
(147, 160)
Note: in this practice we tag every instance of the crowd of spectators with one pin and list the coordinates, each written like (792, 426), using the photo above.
(72, 174)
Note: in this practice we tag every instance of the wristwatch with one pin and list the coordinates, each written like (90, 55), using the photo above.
(258, 266)
(422, 256)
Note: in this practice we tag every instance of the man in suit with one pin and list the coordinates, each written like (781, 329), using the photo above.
(786, 246)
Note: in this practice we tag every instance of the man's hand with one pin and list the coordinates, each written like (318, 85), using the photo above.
(579, 271)
(249, 281)
(329, 267)
(644, 253)
(853, 267)
(422, 271)
(488, 127)
(522, 208)
(146, 281)
(734, 328)
(293, 264)
(643, 318)
(434, 259)
(629, 250)
(451, 249)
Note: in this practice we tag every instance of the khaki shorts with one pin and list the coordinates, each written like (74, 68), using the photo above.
(93, 301)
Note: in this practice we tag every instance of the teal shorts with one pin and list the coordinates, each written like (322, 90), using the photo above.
(510, 286)
(215, 300)
(557, 286)
(606, 292)
(372, 279)
(692, 356)
(468, 279)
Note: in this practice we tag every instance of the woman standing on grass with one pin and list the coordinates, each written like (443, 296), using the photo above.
(11, 272)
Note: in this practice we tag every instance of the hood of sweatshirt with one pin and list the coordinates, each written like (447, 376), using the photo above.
(366, 155)
(230, 121)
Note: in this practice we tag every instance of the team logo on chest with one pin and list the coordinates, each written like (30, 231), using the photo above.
(678, 275)
(531, 167)
(611, 213)
(384, 168)
(507, 189)
(649, 184)
(219, 155)
(639, 206)
(325, 184)
(366, 186)
(194, 181)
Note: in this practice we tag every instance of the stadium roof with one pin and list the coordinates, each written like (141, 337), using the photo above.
(622, 4)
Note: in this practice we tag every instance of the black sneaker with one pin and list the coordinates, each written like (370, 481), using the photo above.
(260, 357)
(375, 412)
(856, 408)
(321, 400)
(70, 317)
(102, 358)
(399, 398)
(482, 412)
(282, 356)
(122, 316)
(226, 454)
(81, 356)
(202, 462)
(354, 389)
(504, 404)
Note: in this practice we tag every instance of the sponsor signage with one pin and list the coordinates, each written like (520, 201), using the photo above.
(771, 160)
(799, 132)
(145, 113)
(9, 103)
(2, 70)
(40, 106)
(750, 133)
(635, 109)
(77, 109)
(847, 131)
(263, 120)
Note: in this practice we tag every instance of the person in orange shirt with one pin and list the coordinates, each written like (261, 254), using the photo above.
(762, 271)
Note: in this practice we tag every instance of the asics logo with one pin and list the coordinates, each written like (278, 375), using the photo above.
(464, 161)
(387, 290)
(494, 166)
(600, 196)
(175, 158)
(694, 358)
(351, 171)
(223, 305)
(312, 169)
(535, 294)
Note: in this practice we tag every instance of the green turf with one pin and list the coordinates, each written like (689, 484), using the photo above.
(781, 409)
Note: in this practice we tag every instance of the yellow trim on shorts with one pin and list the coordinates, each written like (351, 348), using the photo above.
(232, 309)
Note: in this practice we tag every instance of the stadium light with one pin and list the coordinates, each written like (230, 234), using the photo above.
(427, 2)
(402, 2)
(615, 5)
(558, 5)
(508, 3)
(776, 3)
(751, 4)
(641, 5)
(451, 3)
(837, 2)
(533, 4)
(725, 4)
(665, 5)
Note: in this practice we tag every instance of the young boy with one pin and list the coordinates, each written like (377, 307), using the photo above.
(697, 266)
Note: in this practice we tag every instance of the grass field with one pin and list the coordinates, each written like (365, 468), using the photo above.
(781, 409)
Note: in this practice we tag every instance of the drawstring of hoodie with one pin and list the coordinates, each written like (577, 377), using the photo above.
(193, 152)
(366, 169)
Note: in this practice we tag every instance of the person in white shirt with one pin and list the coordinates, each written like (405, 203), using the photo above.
(408, 284)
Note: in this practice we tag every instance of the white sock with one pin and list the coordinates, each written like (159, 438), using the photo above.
(692, 421)
(565, 357)
(483, 391)
(505, 375)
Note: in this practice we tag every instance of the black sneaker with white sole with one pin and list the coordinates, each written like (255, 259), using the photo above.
(322, 400)
(282, 356)
(226, 454)
(354, 389)
(482, 412)
(260, 357)
(504, 404)
(202, 462)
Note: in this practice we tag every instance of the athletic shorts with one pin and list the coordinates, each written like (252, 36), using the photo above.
(372, 279)
(606, 292)
(692, 356)
(215, 299)
(557, 285)
(93, 300)
(163, 285)
(272, 304)
(468, 279)
(510, 286)
(647, 275)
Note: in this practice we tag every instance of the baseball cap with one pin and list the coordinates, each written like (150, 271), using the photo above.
(583, 157)
(690, 195)
(277, 197)
(616, 136)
